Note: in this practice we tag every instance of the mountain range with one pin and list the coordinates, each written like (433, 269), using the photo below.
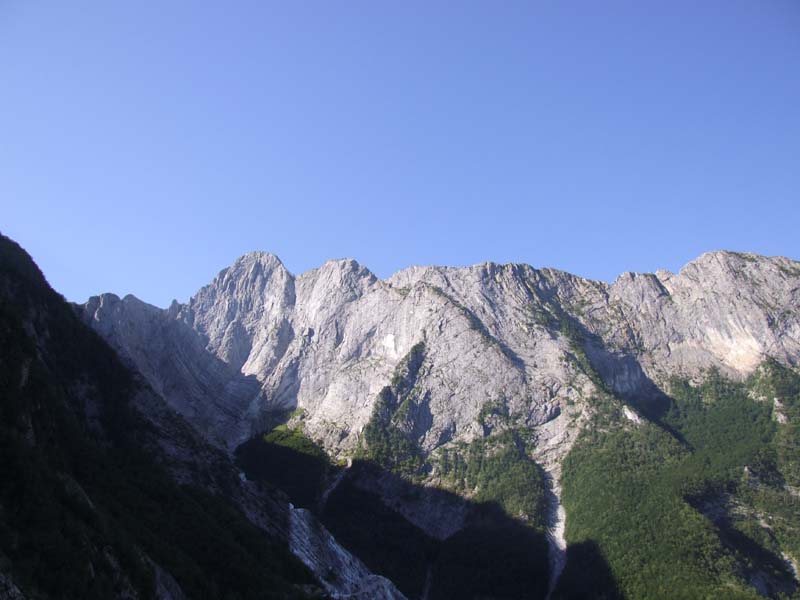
(493, 431)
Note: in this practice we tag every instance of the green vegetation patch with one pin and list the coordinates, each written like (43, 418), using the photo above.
(493, 414)
(387, 439)
(657, 546)
(385, 444)
(682, 511)
(725, 429)
(497, 469)
(771, 383)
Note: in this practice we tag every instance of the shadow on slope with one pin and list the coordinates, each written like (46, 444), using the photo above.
(767, 572)
(618, 374)
(651, 502)
(473, 550)
(587, 576)
(214, 396)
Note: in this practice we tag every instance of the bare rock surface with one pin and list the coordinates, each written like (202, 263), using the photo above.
(342, 574)
(259, 339)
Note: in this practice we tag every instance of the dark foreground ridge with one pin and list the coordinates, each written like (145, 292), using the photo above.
(88, 506)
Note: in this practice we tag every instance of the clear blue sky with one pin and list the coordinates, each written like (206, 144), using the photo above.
(145, 145)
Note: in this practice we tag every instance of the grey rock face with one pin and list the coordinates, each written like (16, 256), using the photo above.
(724, 310)
(245, 307)
(258, 339)
(210, 393)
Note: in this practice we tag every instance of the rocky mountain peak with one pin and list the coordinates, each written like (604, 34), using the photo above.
(242, 302)
(110, 307)
(250, 273)
(260, 256)
(729, 265)
(343, 272)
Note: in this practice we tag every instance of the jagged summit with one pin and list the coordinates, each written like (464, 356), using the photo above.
(726, 257)
(258, 256)
(253, 269)
(735, 261)
(96, 305)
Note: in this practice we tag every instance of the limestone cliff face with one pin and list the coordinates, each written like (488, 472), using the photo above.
(726, 310)
(259, 339)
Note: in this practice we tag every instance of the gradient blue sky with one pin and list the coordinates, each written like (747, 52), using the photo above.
(145, 145)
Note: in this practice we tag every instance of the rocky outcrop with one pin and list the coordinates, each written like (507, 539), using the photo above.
(213, 395)
(724, 310)
(342, 574)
